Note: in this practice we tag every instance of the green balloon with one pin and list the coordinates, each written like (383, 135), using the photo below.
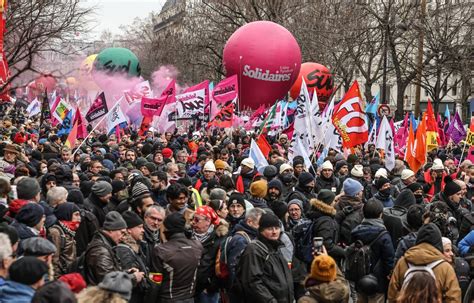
(117, 60)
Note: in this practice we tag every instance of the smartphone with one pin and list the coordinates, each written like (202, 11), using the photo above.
(318, 244)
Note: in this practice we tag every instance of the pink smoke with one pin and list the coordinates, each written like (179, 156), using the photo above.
(162, 76)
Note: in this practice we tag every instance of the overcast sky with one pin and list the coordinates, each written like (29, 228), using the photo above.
(110, 14)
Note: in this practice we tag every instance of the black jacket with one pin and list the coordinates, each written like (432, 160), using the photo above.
(333, 184)
(84, 234)
(263, 274)
(150, 240)
(303, 195)
(97, 207)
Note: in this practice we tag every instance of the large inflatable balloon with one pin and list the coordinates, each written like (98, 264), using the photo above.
(267, 60)
(85, 74)
(316, 76)
(45, 82)
(117, 60)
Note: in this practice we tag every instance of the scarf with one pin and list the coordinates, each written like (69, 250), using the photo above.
(203, 237)
(374, 222)
(69, 227)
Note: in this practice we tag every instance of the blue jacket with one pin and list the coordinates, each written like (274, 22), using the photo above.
(382, 251)
(465, 244)
(13, 292)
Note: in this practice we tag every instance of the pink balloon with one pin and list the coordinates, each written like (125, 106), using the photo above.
(267, 60)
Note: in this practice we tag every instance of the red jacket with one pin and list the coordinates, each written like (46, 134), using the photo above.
(430, 181)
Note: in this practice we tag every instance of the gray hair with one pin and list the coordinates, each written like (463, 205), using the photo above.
(218, 194)
(254, 214)
(155, 207)
(5, 247)
(56, 195)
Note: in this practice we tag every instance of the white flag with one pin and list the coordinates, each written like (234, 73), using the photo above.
(299, 150)
(302, 124)
(385, 142)
(34, 108)
(115, 117)
(372, 136)
(316, 121)
(257, 156)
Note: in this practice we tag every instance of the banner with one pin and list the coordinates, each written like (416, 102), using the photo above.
(432, 141)
(190, 105)
(62, 110)
(72, 137)
(153, 106)
(224, 118)
(98, 108)
(226, 90)
(115, 117)
(66, 125)
(350, 120)
(34, 108)
(385, 142)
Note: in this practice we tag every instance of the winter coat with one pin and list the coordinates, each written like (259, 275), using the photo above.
(394, 218)
(100, 258)
(242, 182)
(333, 184)
(303, 195)
(466, 243)
(422, 254)
(348, 216)
(13, 292)
(431, 187)
(386, 202)
(405, 243)
(382, 250)
(263, 274)
(150, 240)
(259, 202)
(325, 226)
(97, 207)
(177, 260)
(86, 231)
(334, 291)
(65, 255)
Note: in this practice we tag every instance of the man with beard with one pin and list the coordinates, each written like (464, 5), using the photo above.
(159, 183)
(274, 192)
(287, 179)
(327, 180)
(298, 165)
(434, 179)
(304, 190)
(247, 173)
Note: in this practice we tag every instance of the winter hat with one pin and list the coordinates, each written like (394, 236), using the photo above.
(139, 190)
(108, 164)
(430, 233)
(30, 214)
(219, 164)
(450, 187)
(37, 247)
(381, 172)
(437, 165)
(54, 292)
(27, 188)
(74, 281)
(357, 171)
(270, 172)
(209, 213)
(27, 270)
(415, 216)
(305, 178)
(114, 221)
(298, 161)
(407, 173)
(236, 198)
(268, 220)
(118, 282)
(405, 199)
(352, 187)
(118, 185)
(323, 269)
(175, 223)
(285, 166)
(10, 232)
(259, 188)
(381, 181)
(150, 166)
(167, 153)
(326, 196)
(280, 209)
(75, 196)
(132, 219)
(248, 162)
(415, 186)
(297, 202)
(352, 158)
(275, 183)
(64, 211)
(101, 188)
(140, 162)
(12, 148)
(209, 166)
(340, 164)
(327, 165)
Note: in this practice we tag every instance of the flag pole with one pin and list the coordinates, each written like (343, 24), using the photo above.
(92, 131)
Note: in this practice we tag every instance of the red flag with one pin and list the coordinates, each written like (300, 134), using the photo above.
(421, 137)
(4, 71)
(153, 106)
(431, 128)
(145, 126)
(264, 146)
(410, 155)
(224, 118)
(72, 137)
(349, 118)
(81, 125)
(254, 117)
(170, 90)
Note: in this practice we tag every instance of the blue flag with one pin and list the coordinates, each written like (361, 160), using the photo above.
(67, 125)
(447, 114)
(371, 108)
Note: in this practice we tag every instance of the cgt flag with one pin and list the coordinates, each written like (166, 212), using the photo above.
(349, 119)
(153, 106)
(224, 118)
(226, 90)
(98, 108)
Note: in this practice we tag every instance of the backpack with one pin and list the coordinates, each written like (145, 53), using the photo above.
(358, 259)
(351, 219)
(303, 238)
(222, 268)
(412, 269)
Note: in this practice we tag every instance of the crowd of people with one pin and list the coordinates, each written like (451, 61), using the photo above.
(187, 217)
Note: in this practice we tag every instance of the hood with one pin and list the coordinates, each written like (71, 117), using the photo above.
(243, 226)
(335, 291)
(430, 233)
(222, 229)
(422, 254)
(16, 292)
(366, 232)
(345, 200)
(319, 208)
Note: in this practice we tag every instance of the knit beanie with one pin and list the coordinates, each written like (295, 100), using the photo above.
(268, 220)
(219, 164)
(132, 219)
(305, 178)
(352, 187)
(340, 164)
(323, 269)
(118, 185)
(175, 223)
(64, 211)
(75, 196)
(450, 187)
(275, 183)
(236, 198)
(74, 281)
(139, 190)
(296, 202)
(30, 214)
(167, 153)
(270, 172)
(209, 166)
(27, 188)
(352, 158)
(10, 232)
(381, 181)
(114, 221)
(326, 196)
(405, 199)
(357, 171)
(27, 270)
(327, 165)
(259, 188)
(118, 282)
(298, 161)
(415, 186)
(101, 188)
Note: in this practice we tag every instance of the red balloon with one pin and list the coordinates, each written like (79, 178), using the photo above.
(267, 60)
(316, 76)
(45, 83)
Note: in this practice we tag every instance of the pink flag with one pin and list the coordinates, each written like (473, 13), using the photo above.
(226, 90)
(254, 117)
(400, 137)
(153, 106)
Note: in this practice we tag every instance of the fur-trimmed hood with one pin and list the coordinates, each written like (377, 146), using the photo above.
(319, 208)
(222, 229)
